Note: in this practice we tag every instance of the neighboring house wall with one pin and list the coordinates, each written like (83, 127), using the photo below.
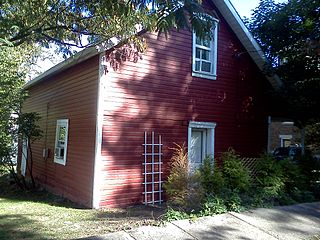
(72, 95)
(284, 134)
(159, 94)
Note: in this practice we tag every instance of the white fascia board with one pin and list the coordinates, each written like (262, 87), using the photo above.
(71, 61)
(252, 47)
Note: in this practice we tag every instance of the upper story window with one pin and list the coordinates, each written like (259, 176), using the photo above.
(204, 57)
(61, 142)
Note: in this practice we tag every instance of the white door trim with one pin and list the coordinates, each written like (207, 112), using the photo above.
(209, 127)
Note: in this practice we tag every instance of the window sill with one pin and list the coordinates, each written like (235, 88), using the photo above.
(60, 161)
(203, 75)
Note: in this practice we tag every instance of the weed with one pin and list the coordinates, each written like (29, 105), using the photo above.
(213, 205)
(172, 214)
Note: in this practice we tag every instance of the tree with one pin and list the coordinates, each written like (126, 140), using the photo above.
(289, 34)
(14, 65)
(84, 23)
(29, 130)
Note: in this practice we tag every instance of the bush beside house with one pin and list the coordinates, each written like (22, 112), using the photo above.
(215, 189)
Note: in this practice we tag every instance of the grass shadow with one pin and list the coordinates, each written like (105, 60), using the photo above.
(9, 190)
(13, 227)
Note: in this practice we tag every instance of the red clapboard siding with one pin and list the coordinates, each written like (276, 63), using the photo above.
(72, 94)
(159, 94)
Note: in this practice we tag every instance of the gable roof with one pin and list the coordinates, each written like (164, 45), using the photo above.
(230, 15)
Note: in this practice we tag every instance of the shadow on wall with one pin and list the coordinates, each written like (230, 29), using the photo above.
(150, 95)
(158, 94)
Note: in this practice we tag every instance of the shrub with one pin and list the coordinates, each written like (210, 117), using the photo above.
(233, 201)
(212, 180)
(215, 190)
(269, 178)
(236, 176)
(182, 187)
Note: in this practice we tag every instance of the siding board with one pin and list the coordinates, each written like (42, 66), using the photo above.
(71, 94)
(159, 94)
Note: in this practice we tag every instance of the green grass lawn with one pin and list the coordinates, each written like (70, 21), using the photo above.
(40, 215)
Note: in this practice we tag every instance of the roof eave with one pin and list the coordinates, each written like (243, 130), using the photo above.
(252, 47)
(71, 61)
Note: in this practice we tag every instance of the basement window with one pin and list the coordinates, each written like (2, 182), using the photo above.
(204, 55)
(61, 142)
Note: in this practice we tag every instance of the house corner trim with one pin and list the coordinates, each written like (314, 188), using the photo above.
(97, 178)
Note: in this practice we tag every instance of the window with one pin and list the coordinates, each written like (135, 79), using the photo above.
(285, 140)
(204, 56)
(61, 143)
(200, 142)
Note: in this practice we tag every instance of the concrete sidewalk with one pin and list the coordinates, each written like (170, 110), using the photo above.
(300, 221)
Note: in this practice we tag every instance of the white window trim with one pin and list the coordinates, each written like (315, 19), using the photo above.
(214, 55)
(62, 122)
(210, 127)
(284, 137)
(288, 123)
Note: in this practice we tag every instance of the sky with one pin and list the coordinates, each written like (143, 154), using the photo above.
(244, 7)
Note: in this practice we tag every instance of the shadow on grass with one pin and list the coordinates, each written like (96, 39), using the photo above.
(138, 212)
(14, 227)
(10, 190)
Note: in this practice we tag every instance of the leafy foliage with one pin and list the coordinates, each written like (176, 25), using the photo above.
(285, 182)
(213, 205)
(14, 65)
(29, 130)
(86, 23)
(212, 179)
(237, 177)
(172, 214)
(230, 188)
(12, 73)
(290, 36)
(313, 137)
(183, 187)
(270, 178)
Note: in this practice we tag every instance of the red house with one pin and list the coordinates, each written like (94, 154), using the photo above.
(97, 147)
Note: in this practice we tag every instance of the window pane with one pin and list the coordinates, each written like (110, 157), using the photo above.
(197, 68)
(206, 67)
(206, 42)
(62, 133)
(196, 147)
(205, 55)
(198, 41)
(198, 52)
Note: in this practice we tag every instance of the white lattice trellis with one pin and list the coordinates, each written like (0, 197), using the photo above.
(152, 169)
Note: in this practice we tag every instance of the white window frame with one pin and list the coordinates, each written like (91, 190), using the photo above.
(283, 138)
(210, 128)
(57, 159)
(213, 55)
